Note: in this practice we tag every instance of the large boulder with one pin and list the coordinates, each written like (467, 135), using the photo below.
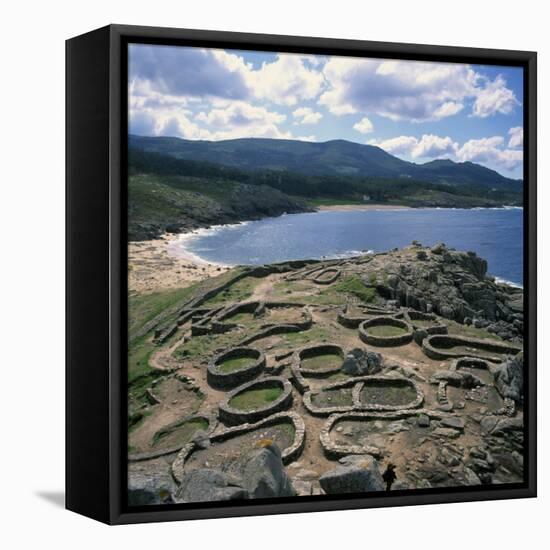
(359, 362)
(509, 378)
(206, 485)
(264, 474)
(150, 482)
(354, 474)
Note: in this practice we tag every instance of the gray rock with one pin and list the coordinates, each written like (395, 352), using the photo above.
(201, 439)
(359, 362)
(421, 255)
(476, 452)
(509, 378)
(453, 422)
(150, 482)
(439, 248)
(423, 420)
(471, 478)
(264, 475)
(397, 426)
(488, 424)
(452, 377)
(354, 474)
(447, 432)
(419, 335)
(206, 485)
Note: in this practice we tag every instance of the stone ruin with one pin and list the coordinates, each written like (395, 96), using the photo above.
(377, 382)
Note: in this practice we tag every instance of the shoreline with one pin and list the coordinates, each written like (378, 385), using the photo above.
(153, 266)
(352, 207)
(389, 207)
(165, 263)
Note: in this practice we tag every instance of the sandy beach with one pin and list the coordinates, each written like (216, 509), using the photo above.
(155, 265)
(348, 207)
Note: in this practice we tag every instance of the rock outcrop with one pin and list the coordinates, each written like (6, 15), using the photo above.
(453, 284)
(264, 475)
(206, 485)
(509, 378)
(359, 362)
(354, 474)
(261, 474)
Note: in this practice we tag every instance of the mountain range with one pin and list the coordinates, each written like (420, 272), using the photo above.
(336, 157)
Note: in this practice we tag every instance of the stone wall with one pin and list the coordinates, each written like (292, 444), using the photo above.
(358, 383)
(385, 341)
(224, 380)
(231, 416)
(438, 347)
(288, 455)
(334, 451)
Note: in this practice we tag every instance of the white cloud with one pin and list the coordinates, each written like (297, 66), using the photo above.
(238, 119)
(516, 137)
(364, 126)
(164, 122)
(239, 113)
(411, 90)
(431, 146)
(449, 108)
(181, 71)
(224, 120)
(286, 80)
(490, 150)
(399, 90)
(306, 115)
(495, 97)
(400, 145)
(428, 146)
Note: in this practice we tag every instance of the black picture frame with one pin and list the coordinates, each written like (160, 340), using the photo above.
(96, 256)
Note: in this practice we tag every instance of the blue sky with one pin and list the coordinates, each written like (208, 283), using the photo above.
(417, 111)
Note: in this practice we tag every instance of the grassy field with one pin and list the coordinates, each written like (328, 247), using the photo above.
(386, 331)
(323, 361)
(236, 363)
(253, 399)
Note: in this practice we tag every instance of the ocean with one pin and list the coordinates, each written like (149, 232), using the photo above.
(494, 234)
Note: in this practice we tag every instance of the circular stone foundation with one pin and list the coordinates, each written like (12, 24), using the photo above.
(256, 400)
(385, 332)
(177, 434)
(320, 360)
(332, 432)
(234, 367)
(326, 276)
(446, 346)
(288, 453)
(173, 437)
(427, 322)
(364, 393)
(387, 394)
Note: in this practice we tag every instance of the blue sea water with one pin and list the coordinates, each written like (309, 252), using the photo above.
(494, 234)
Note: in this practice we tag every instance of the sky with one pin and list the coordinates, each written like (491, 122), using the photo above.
(417, 111)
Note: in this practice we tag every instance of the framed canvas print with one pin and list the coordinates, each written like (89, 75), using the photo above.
(301, 274)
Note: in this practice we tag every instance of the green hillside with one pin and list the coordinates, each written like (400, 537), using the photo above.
(337, 157)
(169, 194)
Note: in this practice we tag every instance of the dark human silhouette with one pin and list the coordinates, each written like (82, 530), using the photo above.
(389, 476)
